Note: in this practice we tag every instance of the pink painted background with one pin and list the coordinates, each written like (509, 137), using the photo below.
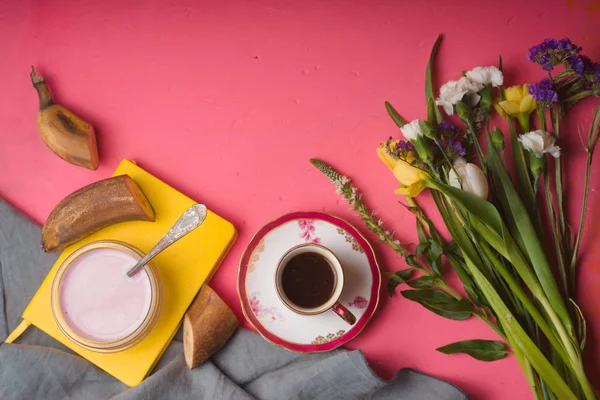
(227, 100)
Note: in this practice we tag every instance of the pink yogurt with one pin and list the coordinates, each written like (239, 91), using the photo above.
(99, 301)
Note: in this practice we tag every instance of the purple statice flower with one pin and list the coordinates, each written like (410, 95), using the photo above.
(552, 52)
(400, 150)
(593, 79)
(453, 148)
(579, 64)
(565, 44)
(447, 129)
(404, 145)
(544, 93)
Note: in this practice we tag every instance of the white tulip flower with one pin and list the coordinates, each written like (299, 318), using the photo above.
(471, 180)
(540, 142)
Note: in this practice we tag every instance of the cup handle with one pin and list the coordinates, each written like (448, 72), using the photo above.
(343, 313)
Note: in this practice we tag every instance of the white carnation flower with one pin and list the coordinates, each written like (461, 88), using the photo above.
(486, 76)
(412, 130)
(453, 91)
(540, 142)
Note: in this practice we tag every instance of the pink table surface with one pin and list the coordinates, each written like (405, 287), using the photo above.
(227, 101)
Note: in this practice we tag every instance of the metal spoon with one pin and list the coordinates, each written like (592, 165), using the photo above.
(190, 220)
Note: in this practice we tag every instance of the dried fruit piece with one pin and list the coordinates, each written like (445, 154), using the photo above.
(207, 326)
(93, 207)
(72, 138)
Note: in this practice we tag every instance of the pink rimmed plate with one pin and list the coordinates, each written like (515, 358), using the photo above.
(307, 333)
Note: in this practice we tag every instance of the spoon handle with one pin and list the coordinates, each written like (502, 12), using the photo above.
(190, 220)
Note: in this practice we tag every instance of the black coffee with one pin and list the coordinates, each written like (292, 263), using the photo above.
(308, 280)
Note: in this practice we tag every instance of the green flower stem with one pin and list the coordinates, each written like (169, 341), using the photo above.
(578, 96)
(541, 113)
(506, 318)
(526, 301)
(520, 339)
(523, 122)
(444, 286)
(592, 141)
(536, 188)
(572, 351)
(557, 217)
(480, 155)
(556, 234)
(524, 234)
(522, 174)
(528, 371)
(555, 117)
(505, 245)
(450, 219)
(510, 251)
(492, 325)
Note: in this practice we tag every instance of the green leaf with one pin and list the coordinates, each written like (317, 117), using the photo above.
(522, 171)
(480, 208)
(436, 266)
(421, 233)
(524, 232)
(421, 249)
(434, 115)
(453, 312)
(412, 261)
(430, 249)
(455, 228)
(397, 278)
(441, 303)
(488, 223)
(464, 245)
(483, 350)
(472, 291)
(500, 63)
(423, 282)
(436, 250)
(435, 253)
(431, 112)
(582, 325)
(397, 118)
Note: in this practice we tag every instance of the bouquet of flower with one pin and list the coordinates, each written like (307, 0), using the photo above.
(499, 216)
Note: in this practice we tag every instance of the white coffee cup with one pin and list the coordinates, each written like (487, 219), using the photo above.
(332, 303)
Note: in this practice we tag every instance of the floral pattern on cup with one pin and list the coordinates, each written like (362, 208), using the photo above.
(329, 338)
(308, 231)
(266, 314)
(359, 302)
(350, 239)
(260, 247)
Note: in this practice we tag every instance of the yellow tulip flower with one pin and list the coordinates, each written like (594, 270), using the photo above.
(412, 179)
(519, 104)
(499, 109)
(384, 152)
(386, 149)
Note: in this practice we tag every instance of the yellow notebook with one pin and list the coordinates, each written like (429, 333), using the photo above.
(183, 267)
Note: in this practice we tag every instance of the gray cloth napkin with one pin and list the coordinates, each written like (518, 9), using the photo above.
(39, 367)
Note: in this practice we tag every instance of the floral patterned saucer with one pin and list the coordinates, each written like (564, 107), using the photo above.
(307, 333)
